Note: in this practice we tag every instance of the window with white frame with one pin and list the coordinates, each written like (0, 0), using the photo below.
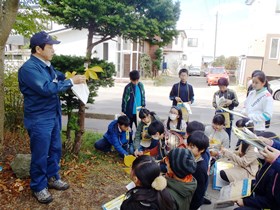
(277, 8)
(274, 48)
(176, 40)
(192, 42)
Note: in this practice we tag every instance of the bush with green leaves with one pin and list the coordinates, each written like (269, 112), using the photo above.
(158, 60)
(13, 100)
(69, 101)
(146, 65)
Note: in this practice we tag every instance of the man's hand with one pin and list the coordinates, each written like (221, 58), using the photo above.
(79, 79)
(178, 99)
(270, 154)
(138, 153)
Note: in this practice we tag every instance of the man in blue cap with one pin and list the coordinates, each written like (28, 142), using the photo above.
(40, 84)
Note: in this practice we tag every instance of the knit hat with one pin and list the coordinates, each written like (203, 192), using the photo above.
(182, 162)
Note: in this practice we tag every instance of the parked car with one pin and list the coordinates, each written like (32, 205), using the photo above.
(194, 71)
(204, 72)
(215, 73)
(275, 86)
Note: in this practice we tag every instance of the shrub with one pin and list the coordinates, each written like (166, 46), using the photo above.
(69, 100)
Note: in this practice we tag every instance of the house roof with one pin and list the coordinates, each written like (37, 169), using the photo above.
(183, 32)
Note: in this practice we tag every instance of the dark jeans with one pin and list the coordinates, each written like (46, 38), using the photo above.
(105, 146)
(133, 119)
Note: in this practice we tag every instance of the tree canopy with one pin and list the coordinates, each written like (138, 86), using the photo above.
(30, 18)
(231, 62)
(219, 61)
(132, 19)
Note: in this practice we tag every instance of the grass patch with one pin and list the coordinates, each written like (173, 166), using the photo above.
(161, 80)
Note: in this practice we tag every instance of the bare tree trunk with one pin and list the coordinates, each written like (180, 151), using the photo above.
(90, 45)
(68, 128)
(8, 13)
(68, 145)
(2, 110)
(79, 133)
(81, 115)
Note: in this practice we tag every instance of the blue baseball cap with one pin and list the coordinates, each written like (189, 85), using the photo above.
(42, 38)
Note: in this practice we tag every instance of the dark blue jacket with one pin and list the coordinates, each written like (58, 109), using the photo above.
(276, 164)
(116, 138)
(185, 92)
(201, 177)
(40, 86)
(267, 192)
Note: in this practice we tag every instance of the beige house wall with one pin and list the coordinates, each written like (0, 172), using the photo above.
(271, 67)
(252, 64)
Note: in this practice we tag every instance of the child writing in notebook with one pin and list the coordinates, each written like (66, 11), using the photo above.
(218, 137)
(244, 158)
(266, 188)
(143, 141)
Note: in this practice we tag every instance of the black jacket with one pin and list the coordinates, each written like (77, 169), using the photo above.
(182, 90)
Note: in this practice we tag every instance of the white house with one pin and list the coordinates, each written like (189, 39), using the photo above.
(264, 44)
(174, 53)
(195, 46)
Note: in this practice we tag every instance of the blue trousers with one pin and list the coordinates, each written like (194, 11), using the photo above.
(45, 145)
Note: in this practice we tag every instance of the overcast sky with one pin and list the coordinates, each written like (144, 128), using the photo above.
(233, 24)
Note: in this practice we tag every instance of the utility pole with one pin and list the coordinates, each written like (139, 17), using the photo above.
(215, 41)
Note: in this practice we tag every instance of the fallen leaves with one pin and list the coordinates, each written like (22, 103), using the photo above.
(100, 175)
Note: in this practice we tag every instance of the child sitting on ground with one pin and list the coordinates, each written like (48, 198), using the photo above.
(266, 188)
(143, 141)
(244, 158)
(117, 135)
(198, 143)
(218, 137)
(180, 182)
(175, 121)
(150, 192)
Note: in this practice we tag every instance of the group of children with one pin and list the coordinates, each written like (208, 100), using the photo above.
(185, 166)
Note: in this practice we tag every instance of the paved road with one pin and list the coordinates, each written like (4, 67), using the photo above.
(157, 98)
(109, 102)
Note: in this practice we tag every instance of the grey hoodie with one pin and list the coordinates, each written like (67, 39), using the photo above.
(181, 192)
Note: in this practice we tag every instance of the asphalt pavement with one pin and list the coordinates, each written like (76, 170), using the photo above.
(108, 102)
